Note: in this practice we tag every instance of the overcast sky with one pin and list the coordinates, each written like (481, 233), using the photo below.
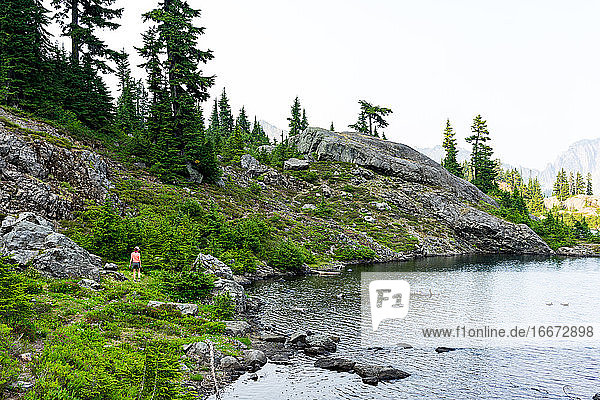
(530, 67)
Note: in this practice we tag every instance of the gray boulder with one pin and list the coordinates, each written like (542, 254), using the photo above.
(237, 328)
(298, 337)
(230, 363)
(254, 359)
(321, 341)
(381, 373)
(90, 284)
(252, 166)
(295, 164)
(111, 267)
(235, 291)
(184, 308)
(30, 239)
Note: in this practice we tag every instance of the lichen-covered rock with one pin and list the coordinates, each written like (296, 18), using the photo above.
(237, 328)
(41, 172)
(30, 239)
(295, 164)
(422, 189)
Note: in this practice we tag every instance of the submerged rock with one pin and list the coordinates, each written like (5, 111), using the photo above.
(335, 364)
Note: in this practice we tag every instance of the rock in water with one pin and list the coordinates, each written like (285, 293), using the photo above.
(335, 364)
(444, 349)
(30, 238)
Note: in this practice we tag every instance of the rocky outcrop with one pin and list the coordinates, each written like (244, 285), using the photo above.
(183, 308)
(386, 158)
(30, 239)
(43, 171)
(582, 250)
(452, 213)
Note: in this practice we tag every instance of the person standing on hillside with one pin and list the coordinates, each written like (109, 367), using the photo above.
(135, 262)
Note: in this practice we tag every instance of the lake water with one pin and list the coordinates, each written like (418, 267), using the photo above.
(496, 287)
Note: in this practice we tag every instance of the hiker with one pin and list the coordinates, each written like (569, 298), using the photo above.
(135, 262)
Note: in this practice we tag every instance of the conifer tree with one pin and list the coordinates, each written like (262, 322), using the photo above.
(235, 145)
(375, 115)
(226, 121)
(214, 128)
(178, 86)
(361, 125)
(258, 137)
(579, 184)
(23, 47)
(80, 20)
(295, 120)
(589, 189)
(127, 118)
(244, 124)
(449, 144)
(572, 190)
(304, 123)
(483, 167)
(331, 128)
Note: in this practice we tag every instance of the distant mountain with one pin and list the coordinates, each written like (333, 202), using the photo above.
(582, 156)
(272, 131)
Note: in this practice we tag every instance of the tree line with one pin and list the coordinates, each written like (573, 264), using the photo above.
(158, 120)
(572, 185)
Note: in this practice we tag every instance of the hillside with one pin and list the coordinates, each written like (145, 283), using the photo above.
(366, 193)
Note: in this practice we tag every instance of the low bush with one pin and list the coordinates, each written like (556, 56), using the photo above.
(69, 287)
(9, 370)
(287, 256)
(186, 285)
(223, 307)
(349, 253)
(80, 363)
(15, 302)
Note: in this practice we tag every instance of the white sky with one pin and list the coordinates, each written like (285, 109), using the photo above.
(530, 67)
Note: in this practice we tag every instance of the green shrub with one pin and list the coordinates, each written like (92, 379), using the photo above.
(79, 363)
(9, 370)
(223, 307)
(65, 287)
(15, 302)
(349, 253)
(240, 261)
(287, 256)
(187, 285)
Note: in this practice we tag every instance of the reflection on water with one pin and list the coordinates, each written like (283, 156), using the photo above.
(332, 305)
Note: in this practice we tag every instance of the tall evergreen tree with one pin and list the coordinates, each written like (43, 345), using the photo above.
(449, 161)
(361, 125)
(178, 86)
(482, 164)
(304, 123)
(295, 120)
(226, 121)
(561, 188)
(572, 190)
(258, 137)
(579, 184)
(127, 118)
(331, 128)
(214, 127)
(243, 122)
(589, 190)
(375, 115)
(80, 20)
(23, 48)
